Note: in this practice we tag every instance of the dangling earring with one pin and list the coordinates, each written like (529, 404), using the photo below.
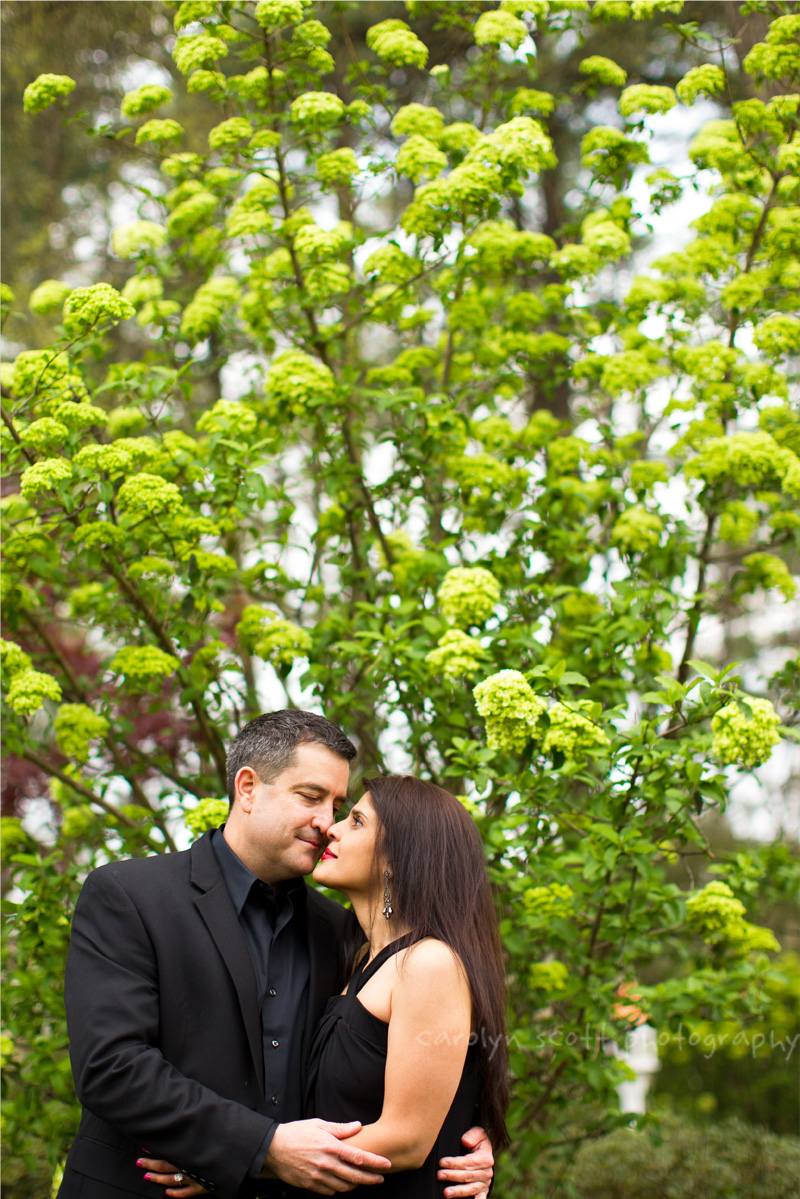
(387, 896)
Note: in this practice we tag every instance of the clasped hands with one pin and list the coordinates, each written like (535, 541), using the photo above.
(314, 1155)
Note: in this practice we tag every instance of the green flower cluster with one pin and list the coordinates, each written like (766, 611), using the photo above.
(714, 910)
(139, 237)
(143, 665)
(468, 595)
(603, 70)
(779, 56)
(44, 434)
(228, 416)
(208, 814)
(75, 726)
(13, 660)
(548, 903)
(141, 290)
(395, 43)
(778, 335)
(420, 159)
(198, 51)
(159, 131)
(275, 14)
(321, 110)
(646, 97)
(573, 732)
(738, 522)
(113, 460)
(608, 152)
(29, 689)
(48, 297)
(251, 214)
(44, 476)
(196, 210)
(297, 382)
(229, 133)
(770, 572)
(457, 655)
(337, 167)
(44, 90)
(271, 637)
(747, 459)
(637, 530)
(144, 99)
(547, 976)
(150, 494)
(707, 80)
(77, 822)
(87, 307)
(314, 244)
(741, 741)
(494, 28)
(203, 314)
(510, 709)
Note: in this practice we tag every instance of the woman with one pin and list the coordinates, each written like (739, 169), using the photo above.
(415, 1047)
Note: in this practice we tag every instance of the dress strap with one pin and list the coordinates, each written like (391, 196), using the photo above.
(366, 971)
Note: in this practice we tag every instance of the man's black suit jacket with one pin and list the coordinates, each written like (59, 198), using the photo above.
(165, 1027)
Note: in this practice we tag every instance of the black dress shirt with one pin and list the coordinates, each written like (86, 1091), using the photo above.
(274, 927)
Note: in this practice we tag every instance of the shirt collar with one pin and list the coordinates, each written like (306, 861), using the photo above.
(239, 879)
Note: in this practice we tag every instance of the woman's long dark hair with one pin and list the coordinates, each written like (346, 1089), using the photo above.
(440, 888)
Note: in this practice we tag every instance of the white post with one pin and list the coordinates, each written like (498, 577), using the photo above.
(641, 1054)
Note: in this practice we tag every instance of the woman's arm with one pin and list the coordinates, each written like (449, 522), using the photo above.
(429, 1030)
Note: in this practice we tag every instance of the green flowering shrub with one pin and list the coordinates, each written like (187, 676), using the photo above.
(379, 324)
(29, 689)
(45, 90)
(209, 813)
(48, 297)
(397, 44)
(75, 726)
(744, 739)
(143, 665)
(129, 240)
(144, 99)
(159, 131)
(87, 307)
(603, 70)
(457, 655)
(511, 710)
(468, 595)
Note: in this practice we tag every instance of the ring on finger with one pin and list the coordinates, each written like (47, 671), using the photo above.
(178, 1178)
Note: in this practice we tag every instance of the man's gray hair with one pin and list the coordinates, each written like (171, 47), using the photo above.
(268, 743)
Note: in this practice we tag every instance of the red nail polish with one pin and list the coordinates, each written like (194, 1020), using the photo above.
(147, 1177)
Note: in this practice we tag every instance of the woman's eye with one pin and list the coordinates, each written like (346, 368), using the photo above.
(356, 820)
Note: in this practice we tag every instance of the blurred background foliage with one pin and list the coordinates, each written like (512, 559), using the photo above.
(607, 591)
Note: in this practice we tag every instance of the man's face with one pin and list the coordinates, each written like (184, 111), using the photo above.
(279, 829)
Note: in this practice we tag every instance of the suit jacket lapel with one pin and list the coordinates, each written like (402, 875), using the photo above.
(216, 908)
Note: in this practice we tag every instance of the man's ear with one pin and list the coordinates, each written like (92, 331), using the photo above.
(244, 788)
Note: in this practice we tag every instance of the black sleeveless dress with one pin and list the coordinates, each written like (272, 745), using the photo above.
(346, 1082)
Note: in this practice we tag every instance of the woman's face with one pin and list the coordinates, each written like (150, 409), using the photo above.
(347, 863)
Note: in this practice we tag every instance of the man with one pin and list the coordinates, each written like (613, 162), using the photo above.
(195, 980)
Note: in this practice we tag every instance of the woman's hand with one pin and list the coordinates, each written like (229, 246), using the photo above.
(166, 1175)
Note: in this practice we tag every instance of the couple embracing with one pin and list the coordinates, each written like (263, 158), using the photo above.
(234, 1031)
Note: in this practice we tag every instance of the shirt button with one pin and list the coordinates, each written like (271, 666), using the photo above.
(272, 991)
(275, 1100)
(275, 1044)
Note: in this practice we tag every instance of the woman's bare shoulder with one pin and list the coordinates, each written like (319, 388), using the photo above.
(433, 959)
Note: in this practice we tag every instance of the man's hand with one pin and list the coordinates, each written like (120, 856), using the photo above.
(472, 1174)
(313, 1154)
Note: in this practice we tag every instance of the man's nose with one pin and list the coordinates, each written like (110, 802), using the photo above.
(323, 818)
